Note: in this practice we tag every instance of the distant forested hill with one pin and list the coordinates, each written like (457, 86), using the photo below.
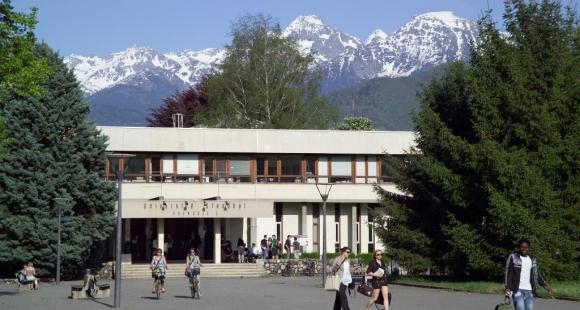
(388, 102)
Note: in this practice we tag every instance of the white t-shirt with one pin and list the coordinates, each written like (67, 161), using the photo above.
(525, 283)
(346, 277)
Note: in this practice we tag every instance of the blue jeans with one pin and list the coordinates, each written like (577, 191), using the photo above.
(264, 253)
(523, 300)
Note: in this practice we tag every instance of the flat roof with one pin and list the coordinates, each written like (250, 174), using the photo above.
(267, 141)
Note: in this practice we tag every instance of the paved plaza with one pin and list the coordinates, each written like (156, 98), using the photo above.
(251, 293)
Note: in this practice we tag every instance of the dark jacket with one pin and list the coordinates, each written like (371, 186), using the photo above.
(513, 269)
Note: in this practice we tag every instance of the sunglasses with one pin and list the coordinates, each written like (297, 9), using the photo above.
(379, 254)
(347, 252)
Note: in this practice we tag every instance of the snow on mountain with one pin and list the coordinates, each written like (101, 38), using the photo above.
(425, 41)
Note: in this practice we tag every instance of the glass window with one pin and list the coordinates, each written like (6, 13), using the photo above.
(291, 169)
(240, 169)
(341, 169)
(323, 169)
(188, 164)
(310, 169)
(272, 166)
(167, 164)
(135, 168)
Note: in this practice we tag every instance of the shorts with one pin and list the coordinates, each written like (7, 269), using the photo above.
(378, 283)
(274, 251)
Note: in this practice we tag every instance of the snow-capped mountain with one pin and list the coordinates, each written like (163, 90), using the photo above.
(427, 40)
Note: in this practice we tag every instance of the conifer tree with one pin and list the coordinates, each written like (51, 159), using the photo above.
(55, 153)
(497, 153)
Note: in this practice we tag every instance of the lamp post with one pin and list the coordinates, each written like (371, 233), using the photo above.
(115, 161)
(58, 204)
(324, 192)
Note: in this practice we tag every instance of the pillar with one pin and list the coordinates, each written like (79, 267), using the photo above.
(217, 240)
(353, 230)
(303, 217)
(148, 238)
(253, 232)
(364, 229)
(245, 231)
(161, 234)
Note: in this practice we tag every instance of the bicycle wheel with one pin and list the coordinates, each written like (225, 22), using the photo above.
(158, 288)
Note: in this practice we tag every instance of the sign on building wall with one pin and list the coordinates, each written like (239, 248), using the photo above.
(136, 208)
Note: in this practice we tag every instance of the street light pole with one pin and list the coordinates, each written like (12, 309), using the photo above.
(324, 195)
(115, 160)
(58, 202)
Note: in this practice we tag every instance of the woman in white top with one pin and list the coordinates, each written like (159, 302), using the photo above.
(341, 266)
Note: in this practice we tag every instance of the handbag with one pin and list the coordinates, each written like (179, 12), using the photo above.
(504, 305)
(332, 283)
(365, 289)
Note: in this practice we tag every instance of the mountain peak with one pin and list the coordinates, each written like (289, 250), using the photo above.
(447, 17)
(377, 35)
(311, 23)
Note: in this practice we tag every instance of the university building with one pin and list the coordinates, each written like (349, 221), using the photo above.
(201, 186)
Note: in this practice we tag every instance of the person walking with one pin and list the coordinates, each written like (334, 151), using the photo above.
(341, 266)
(159, 266)
(522, 277)
(264, 247)
(377, 269)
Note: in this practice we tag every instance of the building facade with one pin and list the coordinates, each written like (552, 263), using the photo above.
(198, 187)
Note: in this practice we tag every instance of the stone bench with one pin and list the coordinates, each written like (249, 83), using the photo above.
(78, 291)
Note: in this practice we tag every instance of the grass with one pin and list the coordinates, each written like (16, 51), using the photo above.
(564, 289)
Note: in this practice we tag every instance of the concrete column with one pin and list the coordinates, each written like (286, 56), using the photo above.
(161, 234)
(126, 230)
(303, 217)
(245, 231)
(148, 238)
(330, 230)
(253, 232)
(364, 229)
(353, 230)
(217, 243)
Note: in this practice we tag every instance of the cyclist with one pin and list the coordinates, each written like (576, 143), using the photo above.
(159, 266)
(193, 266)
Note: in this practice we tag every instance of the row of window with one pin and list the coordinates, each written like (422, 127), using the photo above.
(252, 169)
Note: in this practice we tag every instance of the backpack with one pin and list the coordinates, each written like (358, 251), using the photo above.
(21, 277)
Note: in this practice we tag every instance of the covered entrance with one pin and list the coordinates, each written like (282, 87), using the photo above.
(177, 226)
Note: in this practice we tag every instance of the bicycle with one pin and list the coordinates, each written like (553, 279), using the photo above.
(157, 284)
(194, 281)
(158, 287)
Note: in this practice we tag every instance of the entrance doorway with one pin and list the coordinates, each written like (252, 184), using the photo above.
(183, 234)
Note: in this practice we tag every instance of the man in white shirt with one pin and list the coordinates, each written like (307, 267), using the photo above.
(522, 277)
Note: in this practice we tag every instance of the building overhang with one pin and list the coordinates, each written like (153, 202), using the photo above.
(142, 208)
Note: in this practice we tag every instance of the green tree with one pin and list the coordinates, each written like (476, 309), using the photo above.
(497, 153)
(55, 152)
(356, 123)
(21, 71)
(264, 82)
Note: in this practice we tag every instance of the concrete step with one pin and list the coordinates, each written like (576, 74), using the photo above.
(142, 271)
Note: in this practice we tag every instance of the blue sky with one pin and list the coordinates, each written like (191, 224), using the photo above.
(100, 27)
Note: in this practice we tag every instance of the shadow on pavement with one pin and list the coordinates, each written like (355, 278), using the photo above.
(4, 293)
(182, 296)
(150, 297)
(102, 303)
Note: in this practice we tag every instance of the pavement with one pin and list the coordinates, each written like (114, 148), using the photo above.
(250, 293)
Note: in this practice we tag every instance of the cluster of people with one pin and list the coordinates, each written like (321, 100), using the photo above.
(272, 247)
(27, 275)
(522, 279)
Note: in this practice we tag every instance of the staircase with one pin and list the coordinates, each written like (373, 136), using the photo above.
(250, 270)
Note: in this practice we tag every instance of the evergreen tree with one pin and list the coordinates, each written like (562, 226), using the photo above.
(265, 82)
(55, 152)
(497, 153)
(187, 102)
